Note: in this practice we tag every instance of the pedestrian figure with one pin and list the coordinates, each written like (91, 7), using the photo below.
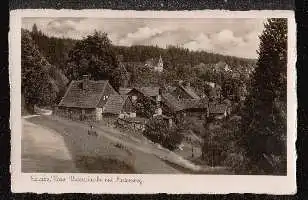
(91, 131)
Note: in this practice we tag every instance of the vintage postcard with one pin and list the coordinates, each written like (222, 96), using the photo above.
(106, 101)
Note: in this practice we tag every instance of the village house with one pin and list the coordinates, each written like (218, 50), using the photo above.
(120, 106)
(151, 92)
(196, 108)
(84, 99)
(179, 109)
(218, 110)
(221, 66)
(184, 91)
(214, 91)
(146, 100)
(155, 64)
(172, 107)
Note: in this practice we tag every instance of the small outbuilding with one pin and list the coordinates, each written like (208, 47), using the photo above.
(119, 106)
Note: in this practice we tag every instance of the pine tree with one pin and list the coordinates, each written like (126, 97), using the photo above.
(36, 85)
(264, 115)
(34, 29)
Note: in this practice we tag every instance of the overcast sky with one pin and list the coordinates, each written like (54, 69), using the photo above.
(236, 37)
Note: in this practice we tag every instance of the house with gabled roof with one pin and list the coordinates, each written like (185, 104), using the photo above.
(84, 99)
(218, 110)
(146, 100)
(185, 91)
(150, 92)
(197, 108)
(155, 64)
(119, 106)
(171, 104)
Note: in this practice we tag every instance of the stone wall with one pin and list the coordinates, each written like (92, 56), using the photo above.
(130, 124)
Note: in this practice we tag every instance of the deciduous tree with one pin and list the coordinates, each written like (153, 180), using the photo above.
(94, 56)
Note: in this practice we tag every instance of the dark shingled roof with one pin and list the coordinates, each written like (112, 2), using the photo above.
(178, 105)
(216, 108)
(172, 102)
(75, 96)
(124, 91)
(190, 91)
(149, 91)
(195, 103)
(115, 104)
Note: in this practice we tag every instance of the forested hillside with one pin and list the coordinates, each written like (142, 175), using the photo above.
(95, 55)
(178, 56)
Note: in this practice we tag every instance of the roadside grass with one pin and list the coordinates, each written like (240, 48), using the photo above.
(209, 170)
(91, 164)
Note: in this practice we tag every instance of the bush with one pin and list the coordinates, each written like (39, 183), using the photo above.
(221, 146)
(158, 131)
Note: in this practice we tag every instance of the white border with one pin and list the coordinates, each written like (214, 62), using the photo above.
(191, 184)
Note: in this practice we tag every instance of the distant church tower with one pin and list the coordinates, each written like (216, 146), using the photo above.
(160, 65)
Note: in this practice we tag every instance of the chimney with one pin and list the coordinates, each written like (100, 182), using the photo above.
(85, 81)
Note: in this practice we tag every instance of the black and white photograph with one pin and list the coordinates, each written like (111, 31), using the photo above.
(155, 95)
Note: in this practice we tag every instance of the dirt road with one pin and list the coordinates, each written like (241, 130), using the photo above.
(44, 150)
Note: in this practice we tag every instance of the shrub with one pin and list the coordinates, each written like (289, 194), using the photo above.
(221, 146)
(158, 131)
